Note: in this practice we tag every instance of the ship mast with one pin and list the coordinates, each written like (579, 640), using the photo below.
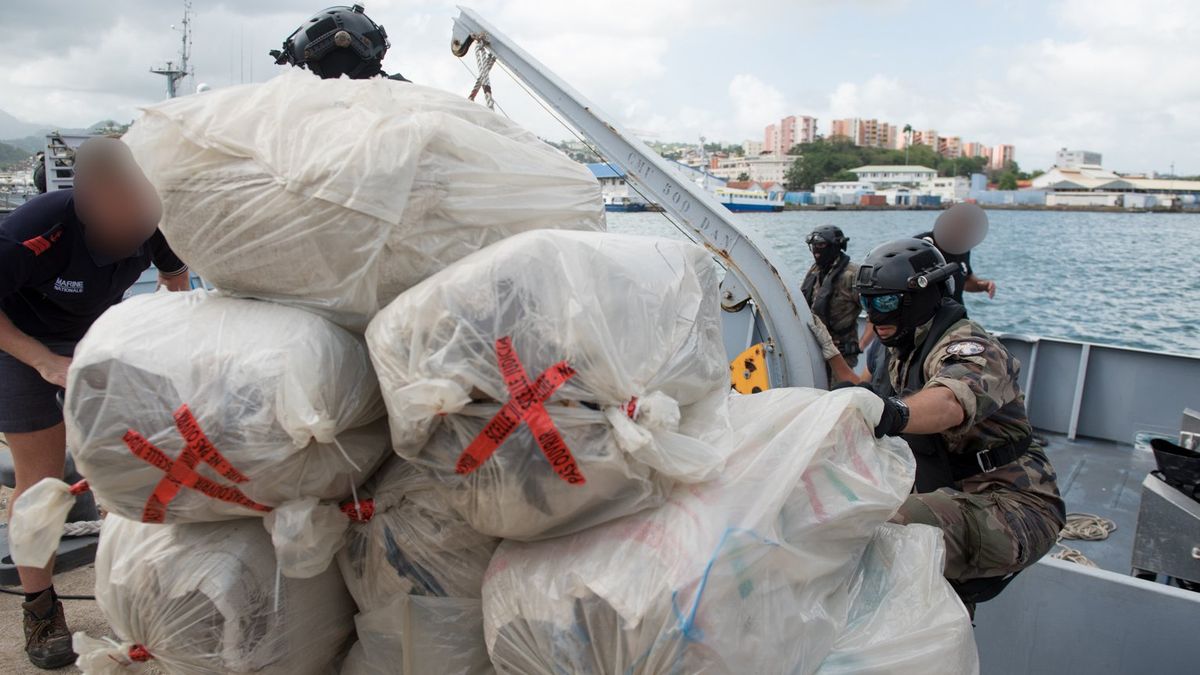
(175, 72)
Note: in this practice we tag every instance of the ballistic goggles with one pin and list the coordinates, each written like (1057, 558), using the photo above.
(881, 304)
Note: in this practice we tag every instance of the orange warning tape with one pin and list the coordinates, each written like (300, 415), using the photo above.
(180, 473)
(524, 405)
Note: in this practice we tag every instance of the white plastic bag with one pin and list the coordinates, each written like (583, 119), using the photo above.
(420, 635)
(626, 327)
(204, 598)
(904, 616)
(743, 574)
(415, 569)
(288, 401)
(37, 519)
(410, 542)
(338, 194)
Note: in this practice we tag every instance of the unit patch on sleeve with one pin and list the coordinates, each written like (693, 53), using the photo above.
(964, 348)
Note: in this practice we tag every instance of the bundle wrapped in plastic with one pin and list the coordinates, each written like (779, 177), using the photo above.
(419, 634)
(204, 598)
(552, 381)
(904, 616)
(408, 540)
(249, 404)
(743, 574)
(339, 194)
(415, 569)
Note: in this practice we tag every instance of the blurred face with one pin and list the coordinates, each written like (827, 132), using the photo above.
(951, 234)
(119, 208)
(960, 228)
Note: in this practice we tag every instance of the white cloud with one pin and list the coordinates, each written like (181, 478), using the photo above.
(1113, 76)
(755, 104)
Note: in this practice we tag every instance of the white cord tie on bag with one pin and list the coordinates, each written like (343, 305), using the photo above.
(634, 423)
(420, 401)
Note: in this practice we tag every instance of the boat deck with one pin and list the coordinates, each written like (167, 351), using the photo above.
(1104, 479)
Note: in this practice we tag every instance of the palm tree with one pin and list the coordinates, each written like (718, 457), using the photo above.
(907, 141)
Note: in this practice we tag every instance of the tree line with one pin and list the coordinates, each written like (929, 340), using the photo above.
(831, 160)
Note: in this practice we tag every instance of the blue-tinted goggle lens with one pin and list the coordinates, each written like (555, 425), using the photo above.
(880, 303)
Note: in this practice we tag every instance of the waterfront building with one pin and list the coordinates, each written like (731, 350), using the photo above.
(1077, 159)
(1001, 156)
(928, 137)
(950, 146)
(615, 189)
(841, 191)
(1099, 180)
(771, 139)
(794, 130)
(890, 175)
(767, 167)
(869, 133)
(779, 139)
(974, 149)
(948, 188)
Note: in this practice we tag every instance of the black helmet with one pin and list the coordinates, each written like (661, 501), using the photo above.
(832, 235)
(337, 41)
(902, 283)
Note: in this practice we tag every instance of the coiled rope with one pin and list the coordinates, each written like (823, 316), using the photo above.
(82, 528)
(1082, 527)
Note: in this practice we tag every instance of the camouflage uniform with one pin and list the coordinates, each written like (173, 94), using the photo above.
(842, 319)
(1001, 521)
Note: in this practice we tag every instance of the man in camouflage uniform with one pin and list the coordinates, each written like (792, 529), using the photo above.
(829, 289)
(954, 397)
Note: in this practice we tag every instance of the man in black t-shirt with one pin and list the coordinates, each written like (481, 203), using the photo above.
(66, 257)
(956, 231)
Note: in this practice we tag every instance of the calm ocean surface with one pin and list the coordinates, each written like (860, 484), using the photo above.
(1113, 278)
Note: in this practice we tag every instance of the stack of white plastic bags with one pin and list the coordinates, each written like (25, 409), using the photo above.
(221, 429)
(530, 463)
(743, 573)
(568, 393)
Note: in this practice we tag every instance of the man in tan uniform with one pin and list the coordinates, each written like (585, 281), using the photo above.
(954, 396)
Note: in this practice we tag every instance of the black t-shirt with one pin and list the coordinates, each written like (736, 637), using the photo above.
(52, 286)
(960, 278)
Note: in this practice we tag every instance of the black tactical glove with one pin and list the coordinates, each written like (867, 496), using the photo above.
(895, 412)
(894, 417)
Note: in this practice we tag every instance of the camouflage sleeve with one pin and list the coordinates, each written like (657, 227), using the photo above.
(850, 283)
(828, 349)
(976, 369)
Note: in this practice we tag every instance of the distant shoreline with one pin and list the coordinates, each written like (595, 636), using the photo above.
(995, 207)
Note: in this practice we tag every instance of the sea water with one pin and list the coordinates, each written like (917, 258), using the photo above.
(1128, 279)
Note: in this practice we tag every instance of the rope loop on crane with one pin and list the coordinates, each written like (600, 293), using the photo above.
(484, 59)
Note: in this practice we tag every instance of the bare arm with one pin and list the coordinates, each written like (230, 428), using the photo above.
(842, 372)
(180, 281)
(933, 410)
(974, 284)
(27, 350)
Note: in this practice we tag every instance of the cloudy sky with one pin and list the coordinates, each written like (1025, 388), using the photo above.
(1118, 77)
